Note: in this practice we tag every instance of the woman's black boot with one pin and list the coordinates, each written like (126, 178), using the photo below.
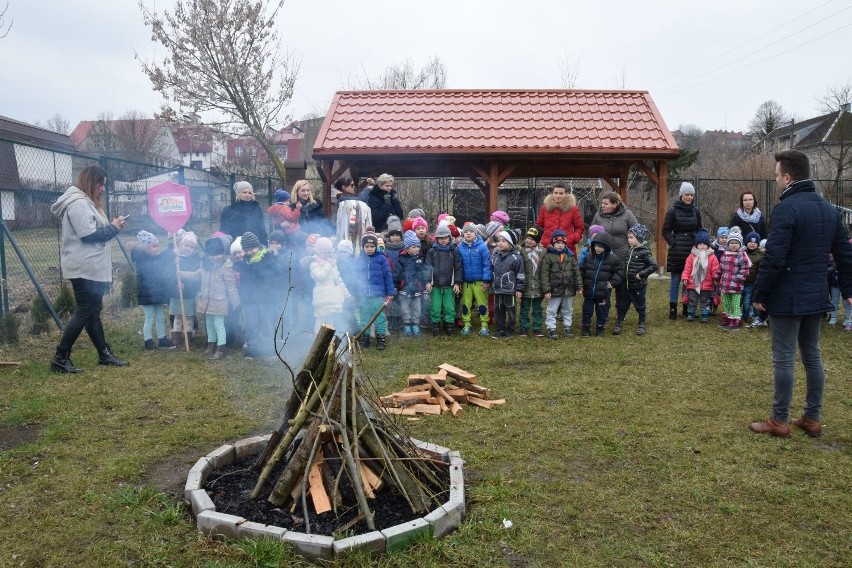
(107, 358)
(61, 362)
(672, 310)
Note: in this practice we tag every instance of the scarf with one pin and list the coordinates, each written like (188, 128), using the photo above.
(258, 256)
(699, 267)
(751, 219)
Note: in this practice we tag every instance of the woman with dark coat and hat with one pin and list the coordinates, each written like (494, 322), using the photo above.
(245, 215)
(682, 222)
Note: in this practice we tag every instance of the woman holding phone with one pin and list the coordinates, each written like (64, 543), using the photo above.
(86, 260)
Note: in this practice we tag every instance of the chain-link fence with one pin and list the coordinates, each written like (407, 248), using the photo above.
(32, 178)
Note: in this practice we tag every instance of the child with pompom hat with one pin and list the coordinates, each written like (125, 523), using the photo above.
(410, 276)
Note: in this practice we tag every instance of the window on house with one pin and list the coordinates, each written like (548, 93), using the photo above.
(238, 151)
(254, 152)
(196, 164)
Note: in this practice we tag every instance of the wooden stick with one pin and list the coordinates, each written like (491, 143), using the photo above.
(180, 294)
(455, 407)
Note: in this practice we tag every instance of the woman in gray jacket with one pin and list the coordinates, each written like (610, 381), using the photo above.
(616, 220)
(86, 260)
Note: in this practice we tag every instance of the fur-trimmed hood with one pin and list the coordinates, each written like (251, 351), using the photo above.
(550, 202)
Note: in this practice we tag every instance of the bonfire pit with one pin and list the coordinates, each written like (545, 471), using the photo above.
(347, 474)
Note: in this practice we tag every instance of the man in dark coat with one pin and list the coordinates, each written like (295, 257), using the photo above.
(383, 202)
(792, 287)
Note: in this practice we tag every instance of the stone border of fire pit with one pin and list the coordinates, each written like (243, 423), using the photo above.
(438, 523)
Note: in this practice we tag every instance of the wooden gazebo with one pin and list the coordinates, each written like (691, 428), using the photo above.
(492, 135)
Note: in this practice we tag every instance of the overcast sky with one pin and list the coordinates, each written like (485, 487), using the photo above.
(705, 63)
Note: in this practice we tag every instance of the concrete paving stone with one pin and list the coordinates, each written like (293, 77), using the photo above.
(201, 502)
(401, 536)
(311, 546)
(222, 456)
(372, 542)
(433, 450)
(250, 529)
(213, 523)
(248, 447)
(445, 519)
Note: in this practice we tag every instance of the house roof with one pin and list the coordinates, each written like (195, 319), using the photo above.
(22, 132)
(827, 128)
(494, 122)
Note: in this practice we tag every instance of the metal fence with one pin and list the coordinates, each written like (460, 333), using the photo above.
(31, 179)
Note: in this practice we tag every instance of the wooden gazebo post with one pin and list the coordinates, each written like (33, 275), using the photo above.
(662, 194)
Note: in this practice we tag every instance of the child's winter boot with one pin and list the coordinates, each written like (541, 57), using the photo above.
(380, 342)
(599, 331)
(586, 330)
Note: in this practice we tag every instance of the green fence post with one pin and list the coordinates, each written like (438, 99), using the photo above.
(233, 179)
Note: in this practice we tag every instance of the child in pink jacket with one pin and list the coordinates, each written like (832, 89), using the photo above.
(699, 273)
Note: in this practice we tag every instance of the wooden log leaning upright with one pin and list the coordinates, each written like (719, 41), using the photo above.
(455, 407)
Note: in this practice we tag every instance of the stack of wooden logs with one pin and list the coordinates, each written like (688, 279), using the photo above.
(430, 394)
(339, 447)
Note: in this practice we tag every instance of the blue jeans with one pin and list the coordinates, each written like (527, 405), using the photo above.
(748, 293)
(787, 333)
(674, 288)
(847, 309)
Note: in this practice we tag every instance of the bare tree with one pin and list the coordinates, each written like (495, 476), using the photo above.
(835, 97)
(56, 123)
(132, 136)
(621, 77)
(224, 58)
(3, 23)
(769, 116)
(690, 136)
(402, 75)
(570, 71)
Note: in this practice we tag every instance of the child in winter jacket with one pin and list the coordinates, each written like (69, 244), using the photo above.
(699, 274)
(188, 261)
(444, 263)
(476, 269)
(509, 281)
(733, 270)
(752, 246)
(532, 252)
(639, 264)
(154, 273)
(410, 276)
(329, 289)
(560, 281)
(259, 276)
(376, 288)
(593, 230)
(217, 294)
(393, 247)
(602, 271)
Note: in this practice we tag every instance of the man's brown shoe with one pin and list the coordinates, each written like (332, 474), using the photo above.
(811, 427)
(772, 427)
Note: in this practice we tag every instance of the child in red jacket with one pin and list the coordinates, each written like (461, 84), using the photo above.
(699, 273)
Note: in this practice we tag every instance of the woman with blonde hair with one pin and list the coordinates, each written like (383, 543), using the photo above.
(86, 260)
(310, 209)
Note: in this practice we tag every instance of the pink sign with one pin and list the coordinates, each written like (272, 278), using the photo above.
(169, 205)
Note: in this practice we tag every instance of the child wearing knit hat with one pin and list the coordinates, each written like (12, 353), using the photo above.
(154, 279)
(699, 273)
(476, 271)
(734, 267)
(508, 282)
(329, 288)
(752, 249)
(410, 277)
(531, 300)
(260, 273)
(189, 260)
(561, 281)
(639, 264)
(375, 287)
(593, 230)
(444, 263)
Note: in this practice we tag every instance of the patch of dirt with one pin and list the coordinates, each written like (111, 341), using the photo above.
(13, 436)
(169, 475)
(229, 488)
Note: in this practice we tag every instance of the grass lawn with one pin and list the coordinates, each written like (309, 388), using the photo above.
(613, 451)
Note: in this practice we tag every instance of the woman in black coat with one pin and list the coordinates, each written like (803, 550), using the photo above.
(244, 216)
(679, 227)
(748, 216)
(311, 217)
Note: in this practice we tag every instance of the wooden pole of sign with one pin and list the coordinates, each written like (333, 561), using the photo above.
(180, 294)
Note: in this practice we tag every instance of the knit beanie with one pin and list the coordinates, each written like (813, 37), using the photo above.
(416, 213)
(281, 196)
(492, 228)
(595, 229)
(188, 238)
(702, 236)
(311, 240)
(394, 225)
(409, 239)
(736, 235)
(468, 227)
(146, 238)
(639, 231)
(237, 245)
(501, 217)
(277, 236)
(443, 230)
(250, 241)
(534, 234)
(345, 247)
(324, 246)
(370, 238)
(559, 235)
(447, 217)
(722, 232)
(686, 188)
(406, 225)
(454, 231)
(419, 222)
(509, 236)
(480, 229)
(241, 185)
(213, 246)
(752, 237)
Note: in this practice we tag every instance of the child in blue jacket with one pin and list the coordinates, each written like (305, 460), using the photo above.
(376, 287)
(476, 272)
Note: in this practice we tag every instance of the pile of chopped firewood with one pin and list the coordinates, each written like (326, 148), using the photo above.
(431, 394)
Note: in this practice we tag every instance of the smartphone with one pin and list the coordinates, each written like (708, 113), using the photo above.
(125, 217)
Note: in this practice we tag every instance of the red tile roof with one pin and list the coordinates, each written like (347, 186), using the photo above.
(548, 122)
